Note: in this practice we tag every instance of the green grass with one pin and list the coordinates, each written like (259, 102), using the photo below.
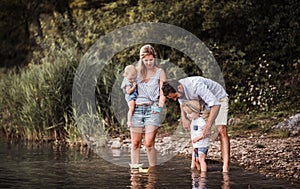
(259, 123)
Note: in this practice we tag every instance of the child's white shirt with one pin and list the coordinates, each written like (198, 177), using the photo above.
(196, 127)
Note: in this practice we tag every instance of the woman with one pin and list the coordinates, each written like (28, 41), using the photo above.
(149, 104)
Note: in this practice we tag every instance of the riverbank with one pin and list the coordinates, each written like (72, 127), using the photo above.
(269, 154)
(272, 157)
(275, 157)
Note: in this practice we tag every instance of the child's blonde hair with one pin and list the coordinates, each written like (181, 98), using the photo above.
(130, 70)
(192, 106)
(195, 106)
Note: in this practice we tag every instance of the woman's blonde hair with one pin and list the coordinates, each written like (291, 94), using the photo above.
(145, 51)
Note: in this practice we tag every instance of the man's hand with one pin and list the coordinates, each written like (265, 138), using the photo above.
(185, 122)
(206, 128)
(196, 139)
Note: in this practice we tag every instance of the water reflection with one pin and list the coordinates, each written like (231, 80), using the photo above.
(226, 181)
(137, 179)
(198, 179)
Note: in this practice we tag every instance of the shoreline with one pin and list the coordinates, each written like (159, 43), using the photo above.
(269, 156)
(273, 157)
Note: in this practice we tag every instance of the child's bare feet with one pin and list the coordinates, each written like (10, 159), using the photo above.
(193, 166)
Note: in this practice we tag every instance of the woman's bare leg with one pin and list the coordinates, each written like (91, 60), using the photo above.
(150, 134)
(136, 141)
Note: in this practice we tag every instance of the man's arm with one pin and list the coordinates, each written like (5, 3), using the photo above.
(184, 120)
(213, 113)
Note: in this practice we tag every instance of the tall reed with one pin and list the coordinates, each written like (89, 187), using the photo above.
(34, 103)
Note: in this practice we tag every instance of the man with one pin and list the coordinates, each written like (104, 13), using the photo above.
(215, 98)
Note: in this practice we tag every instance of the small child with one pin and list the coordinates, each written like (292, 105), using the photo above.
(200, 146)
(130, 89)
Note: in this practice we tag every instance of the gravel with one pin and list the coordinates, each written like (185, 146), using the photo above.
(272, 157)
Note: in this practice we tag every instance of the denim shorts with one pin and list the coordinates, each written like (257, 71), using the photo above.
(203, 150)
(132, 96)
(144, 116)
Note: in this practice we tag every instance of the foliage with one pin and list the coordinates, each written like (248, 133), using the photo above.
(258, 124)
(36, 103)
(256, 44)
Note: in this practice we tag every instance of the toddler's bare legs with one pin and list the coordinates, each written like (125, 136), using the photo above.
(195, 163)
(202, 162)
(131, 106)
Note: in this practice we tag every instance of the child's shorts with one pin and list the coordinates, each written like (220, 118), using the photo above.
(203, 150)
(132, 96)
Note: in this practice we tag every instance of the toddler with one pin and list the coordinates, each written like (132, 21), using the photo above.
(130, 89)
(200, 145)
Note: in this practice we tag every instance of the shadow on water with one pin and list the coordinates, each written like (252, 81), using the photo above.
(50, 166)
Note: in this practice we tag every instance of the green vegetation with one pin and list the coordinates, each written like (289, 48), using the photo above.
(256, 44)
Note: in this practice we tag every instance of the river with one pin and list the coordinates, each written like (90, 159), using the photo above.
(55, 166)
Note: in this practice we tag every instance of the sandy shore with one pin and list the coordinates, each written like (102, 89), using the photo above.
(272, 157)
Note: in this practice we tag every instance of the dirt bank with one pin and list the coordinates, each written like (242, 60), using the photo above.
(275, 157)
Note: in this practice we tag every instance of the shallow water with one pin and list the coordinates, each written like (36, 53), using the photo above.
(48, 166)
